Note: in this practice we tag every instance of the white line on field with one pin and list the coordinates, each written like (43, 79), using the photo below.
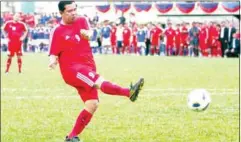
(74, 96)
(148, 89)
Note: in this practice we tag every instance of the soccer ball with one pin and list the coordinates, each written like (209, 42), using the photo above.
(198, 100)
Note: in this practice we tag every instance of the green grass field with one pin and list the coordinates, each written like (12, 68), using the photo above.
(37, 106)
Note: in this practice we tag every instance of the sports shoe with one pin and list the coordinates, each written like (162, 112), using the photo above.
(74, 139)
(135, 89)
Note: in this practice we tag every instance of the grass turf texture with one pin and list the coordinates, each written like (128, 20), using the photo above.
(37, 106)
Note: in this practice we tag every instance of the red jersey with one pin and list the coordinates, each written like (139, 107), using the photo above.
(7, 17)
(29, 19)
(126, 35)
(170, 34)
(178, 37)
(15, 30)
(113, 35)
(155, 34)
(72, 50)
(184, 35)
(134, 36)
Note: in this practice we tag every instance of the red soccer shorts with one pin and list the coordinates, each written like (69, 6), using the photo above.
(14, 47)
(83, 79)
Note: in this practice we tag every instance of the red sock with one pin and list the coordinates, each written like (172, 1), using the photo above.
(19, 64)
(82, 120)
(8, 64)
(112, 89)
(152, 51)
(113, 50)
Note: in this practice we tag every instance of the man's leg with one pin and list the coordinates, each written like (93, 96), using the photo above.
(19, 64)
(86, 114)
(9, 61)
(114, 89)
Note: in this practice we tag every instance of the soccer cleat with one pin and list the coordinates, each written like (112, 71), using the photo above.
(74, 139)
(135, 89)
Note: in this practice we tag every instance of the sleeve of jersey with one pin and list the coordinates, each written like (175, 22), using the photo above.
(6, 27)
(86, 24)
(54, 43)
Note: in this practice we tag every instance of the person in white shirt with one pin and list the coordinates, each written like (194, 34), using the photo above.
(119, 37)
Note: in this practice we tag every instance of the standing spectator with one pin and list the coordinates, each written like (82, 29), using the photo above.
(224, 37)
(148, 38)
(93, 39)
(134, 38)
(96, 18)
(126, 39)
(234, 50)
(193, 36)
(113, 38)
(99, 26)
(30, 21)
(170, 34)
(105, 36)
(178, 40)
(184, 38)
(215, 44)
(141, 38)
(156, 32)
(203, 40)
(231, 31)
(119, 37)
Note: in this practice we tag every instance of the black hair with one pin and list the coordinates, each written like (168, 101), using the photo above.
(62, 4)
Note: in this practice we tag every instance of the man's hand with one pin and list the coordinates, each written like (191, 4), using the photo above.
(86, 34)
(53, 61)
(22, 38)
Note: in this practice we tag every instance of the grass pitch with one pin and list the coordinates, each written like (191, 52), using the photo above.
(37, 106)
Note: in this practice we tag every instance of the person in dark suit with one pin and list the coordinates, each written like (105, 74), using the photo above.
(231, 31)
(148, 40)
(224, 37)
(234, 49)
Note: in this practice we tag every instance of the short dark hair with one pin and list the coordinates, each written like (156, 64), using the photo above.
(62, 4)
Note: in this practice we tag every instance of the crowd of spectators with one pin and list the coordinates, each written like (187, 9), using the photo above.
(163, 39)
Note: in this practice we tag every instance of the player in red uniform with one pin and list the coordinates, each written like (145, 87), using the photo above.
(184, 40)
(113, 38)
(156, 32)
(203, 40)
(126, 39)
(170, 34)
(15, 31)
(178, 40)
(70, 48)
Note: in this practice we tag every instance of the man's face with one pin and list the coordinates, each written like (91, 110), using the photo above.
(16, 17)
(70, 13)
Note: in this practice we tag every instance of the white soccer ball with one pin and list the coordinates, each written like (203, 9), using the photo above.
(199, 99)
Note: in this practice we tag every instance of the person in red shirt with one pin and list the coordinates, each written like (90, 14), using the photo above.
(214, 39)
(69, 47)
(178, 40)
(126, 39)
(113, 38)
(184, 39)
(156, 32)
(30, 21)
(134, 38)
(15, 31)
(203, 40)
(7, 16)
(170, 34)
